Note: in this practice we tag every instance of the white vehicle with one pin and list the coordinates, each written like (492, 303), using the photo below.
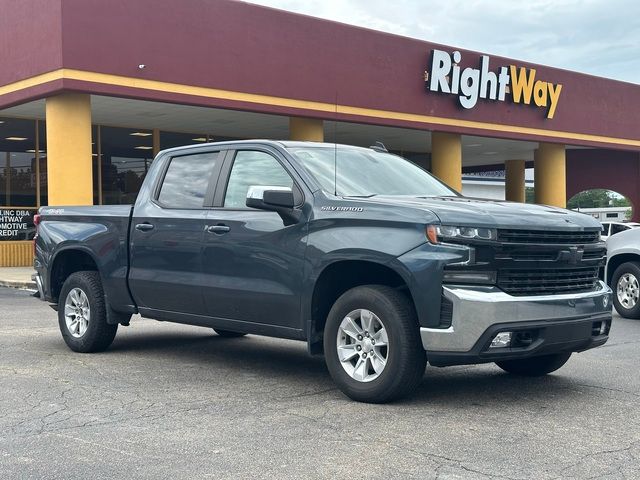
(611, 228)
(622, 272)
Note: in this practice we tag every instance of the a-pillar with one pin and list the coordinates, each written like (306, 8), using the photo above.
(306, 129)
(446, 158)
(514, 180)
(550, 175)
(69, 166)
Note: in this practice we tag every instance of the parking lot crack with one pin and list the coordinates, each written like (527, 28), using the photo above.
(617, 390)
(454, 462)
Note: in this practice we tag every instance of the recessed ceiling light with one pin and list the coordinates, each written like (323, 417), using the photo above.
(489, 153)
(35, 151)
(199, 139)
(474, 145)
(1, 121)
(16, 139)
(143, 147)
(141, 134)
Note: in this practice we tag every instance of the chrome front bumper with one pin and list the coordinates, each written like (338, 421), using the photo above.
(477, 308)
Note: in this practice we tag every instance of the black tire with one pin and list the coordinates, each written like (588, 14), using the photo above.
(228, 333)
(535, 366)
(631, 268)
(99, 334)
(406, 358)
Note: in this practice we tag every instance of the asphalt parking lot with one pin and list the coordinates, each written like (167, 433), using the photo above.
(171, 401)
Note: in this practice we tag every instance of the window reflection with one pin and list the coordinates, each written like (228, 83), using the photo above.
(252, 168)
(17, 162)
(186, 181)
(175, 139)
(126, 156)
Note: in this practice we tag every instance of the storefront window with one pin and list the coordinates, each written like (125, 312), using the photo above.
(18, 179)
(121, 158)
(17, 162)
(126, 155)
(173, 139)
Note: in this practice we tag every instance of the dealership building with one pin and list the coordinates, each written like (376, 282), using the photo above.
(91, 90)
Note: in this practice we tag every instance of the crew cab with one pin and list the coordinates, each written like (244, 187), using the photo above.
(363, 255)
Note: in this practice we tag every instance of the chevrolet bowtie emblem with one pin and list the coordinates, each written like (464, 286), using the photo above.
(572, 256)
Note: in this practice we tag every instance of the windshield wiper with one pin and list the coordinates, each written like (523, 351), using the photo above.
(362, 196)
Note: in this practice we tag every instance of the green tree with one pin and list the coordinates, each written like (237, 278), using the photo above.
(597, 198)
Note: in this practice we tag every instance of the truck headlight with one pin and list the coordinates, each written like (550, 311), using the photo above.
(436, 233)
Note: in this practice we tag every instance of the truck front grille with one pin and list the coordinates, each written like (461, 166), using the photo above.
(547, 281)
(545, 237)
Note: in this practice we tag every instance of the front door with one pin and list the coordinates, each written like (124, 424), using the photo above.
(167, 234)
(252, 263)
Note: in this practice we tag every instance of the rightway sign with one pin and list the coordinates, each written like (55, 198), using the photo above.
(16, 224)
(472, 84)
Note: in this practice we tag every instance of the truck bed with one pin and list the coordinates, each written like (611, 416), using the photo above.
(101, 232)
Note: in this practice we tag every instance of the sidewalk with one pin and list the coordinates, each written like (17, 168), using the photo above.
(17, 277)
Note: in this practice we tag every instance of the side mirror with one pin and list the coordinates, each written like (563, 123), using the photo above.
(269, 198)
(274, 199)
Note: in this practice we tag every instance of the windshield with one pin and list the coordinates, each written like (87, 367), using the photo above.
(363, 172)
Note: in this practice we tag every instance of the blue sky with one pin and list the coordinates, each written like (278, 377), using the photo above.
(591, 36)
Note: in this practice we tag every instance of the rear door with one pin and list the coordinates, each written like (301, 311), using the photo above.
(167, 234)
(252, 262)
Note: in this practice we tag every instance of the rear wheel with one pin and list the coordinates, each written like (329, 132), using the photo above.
(372, 344)
(228, 333)
(626, 288)
(535, 366)
(82, 314)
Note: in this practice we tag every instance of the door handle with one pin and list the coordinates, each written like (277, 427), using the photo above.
(219, 229)
(144, 227)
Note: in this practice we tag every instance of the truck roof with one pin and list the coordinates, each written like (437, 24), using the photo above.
(281, 143)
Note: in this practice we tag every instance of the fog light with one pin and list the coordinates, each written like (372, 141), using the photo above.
(501, 340)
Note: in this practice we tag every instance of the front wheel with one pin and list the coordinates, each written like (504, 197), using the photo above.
(626, 289)
(372, 344)
(82, 314)
(535, 366)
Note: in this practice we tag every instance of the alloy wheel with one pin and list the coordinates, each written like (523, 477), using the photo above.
(77, 312)
(362, 345)
(628, 290)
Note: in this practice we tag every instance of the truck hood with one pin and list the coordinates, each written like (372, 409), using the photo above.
(493, 213)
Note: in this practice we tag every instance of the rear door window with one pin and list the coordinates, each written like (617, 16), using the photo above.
(188, 180)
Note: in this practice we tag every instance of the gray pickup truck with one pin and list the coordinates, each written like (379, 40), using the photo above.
(365, 256)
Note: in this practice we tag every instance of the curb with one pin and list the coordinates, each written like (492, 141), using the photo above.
(18, 284)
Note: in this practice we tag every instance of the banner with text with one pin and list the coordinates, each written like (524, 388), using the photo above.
(17, 224)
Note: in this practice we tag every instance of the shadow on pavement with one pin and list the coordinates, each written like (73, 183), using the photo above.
(289, 361)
